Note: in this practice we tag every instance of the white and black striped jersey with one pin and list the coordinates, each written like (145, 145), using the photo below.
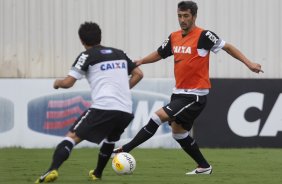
(107, 70)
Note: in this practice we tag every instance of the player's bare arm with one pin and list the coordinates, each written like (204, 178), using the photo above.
(234, 52)
(65, 83)
(136, 76)
(151, 58)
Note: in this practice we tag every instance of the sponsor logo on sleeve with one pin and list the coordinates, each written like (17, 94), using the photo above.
(212, 37)
(81, 61)
(165, 43)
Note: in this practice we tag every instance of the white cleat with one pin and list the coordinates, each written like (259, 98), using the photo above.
(200, 170)
(116, 151)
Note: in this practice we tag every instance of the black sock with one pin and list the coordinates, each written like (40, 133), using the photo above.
(61, 154)
(103, 158)
(143, 135)
(189, 145)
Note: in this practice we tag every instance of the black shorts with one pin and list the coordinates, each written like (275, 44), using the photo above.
(185, 108)
(95, 125)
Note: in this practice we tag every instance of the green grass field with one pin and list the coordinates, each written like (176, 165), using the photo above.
(154, 166)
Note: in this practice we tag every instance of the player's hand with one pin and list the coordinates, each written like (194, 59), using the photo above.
(138, 62)
(255, 67)
(56, 84)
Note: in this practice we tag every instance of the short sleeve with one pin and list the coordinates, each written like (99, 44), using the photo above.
(210, 41)
(130, 64)
(165, 49)
(80, 66)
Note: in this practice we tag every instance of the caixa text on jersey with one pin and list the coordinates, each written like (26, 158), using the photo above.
(114, 65)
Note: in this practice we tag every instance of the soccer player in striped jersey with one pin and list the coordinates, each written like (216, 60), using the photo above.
(190, 46)
(111, 75)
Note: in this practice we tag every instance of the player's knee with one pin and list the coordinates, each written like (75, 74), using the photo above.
(177, 128)
(162, 115)
(72, 136)
(156, 119)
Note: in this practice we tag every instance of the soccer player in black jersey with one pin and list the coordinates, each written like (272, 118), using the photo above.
(107, 70)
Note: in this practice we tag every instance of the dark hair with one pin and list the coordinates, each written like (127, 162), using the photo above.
(90, 33)
(186, 5)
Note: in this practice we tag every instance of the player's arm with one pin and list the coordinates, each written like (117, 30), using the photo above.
(65, 83)
(76, 72)
(151, 58)
(134, 72)
(210, 41)
(163, 52)
(136, 76)
(236, 53)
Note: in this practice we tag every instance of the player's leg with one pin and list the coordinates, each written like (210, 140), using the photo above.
(116, 122)
(61, 154)
(146, 132)
(103, 158)
(191, 107)
(63, 151)
(189, 145)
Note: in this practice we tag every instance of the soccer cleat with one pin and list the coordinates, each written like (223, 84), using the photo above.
(118, 150)
(200, 170)
(93, 177)
(50, 176)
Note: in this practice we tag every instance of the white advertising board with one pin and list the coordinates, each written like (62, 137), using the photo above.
(34, 115)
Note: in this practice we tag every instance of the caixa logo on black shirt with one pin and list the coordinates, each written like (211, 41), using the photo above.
(6, 115)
